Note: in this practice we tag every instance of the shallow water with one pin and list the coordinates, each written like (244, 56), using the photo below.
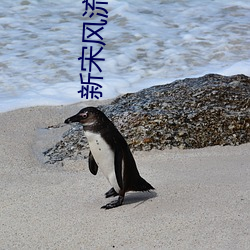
(146, 44)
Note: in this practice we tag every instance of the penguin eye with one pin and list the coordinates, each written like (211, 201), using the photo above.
(84, 115)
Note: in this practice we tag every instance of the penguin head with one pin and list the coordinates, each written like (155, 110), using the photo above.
(88, 117)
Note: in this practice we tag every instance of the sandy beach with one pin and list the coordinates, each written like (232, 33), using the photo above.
(201, 198)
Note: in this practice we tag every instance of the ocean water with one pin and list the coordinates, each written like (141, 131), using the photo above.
(147, 43)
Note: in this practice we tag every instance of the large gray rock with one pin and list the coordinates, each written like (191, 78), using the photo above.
(190, 113)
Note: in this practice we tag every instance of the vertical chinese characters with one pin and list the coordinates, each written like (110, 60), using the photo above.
(91, 35)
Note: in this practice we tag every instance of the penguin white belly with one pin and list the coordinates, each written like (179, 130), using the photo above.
(104, 157)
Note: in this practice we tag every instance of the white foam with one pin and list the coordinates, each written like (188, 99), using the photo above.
(147, 44)
(242, 67)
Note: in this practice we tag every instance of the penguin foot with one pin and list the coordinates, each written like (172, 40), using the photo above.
(113, 204)
(111, 193)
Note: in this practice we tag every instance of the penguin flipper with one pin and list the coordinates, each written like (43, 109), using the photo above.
(118, 166)
(93, 167)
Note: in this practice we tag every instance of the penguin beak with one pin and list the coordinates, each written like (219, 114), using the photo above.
(74, 118)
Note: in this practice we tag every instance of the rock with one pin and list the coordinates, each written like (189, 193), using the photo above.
(190, 113)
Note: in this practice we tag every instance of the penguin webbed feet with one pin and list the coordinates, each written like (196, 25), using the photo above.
(111, 193)
(115, 203)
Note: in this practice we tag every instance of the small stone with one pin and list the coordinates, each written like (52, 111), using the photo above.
(182, 132)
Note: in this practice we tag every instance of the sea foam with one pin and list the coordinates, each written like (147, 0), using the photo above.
(146, 44)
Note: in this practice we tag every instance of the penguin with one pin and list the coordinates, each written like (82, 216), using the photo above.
(110, 152)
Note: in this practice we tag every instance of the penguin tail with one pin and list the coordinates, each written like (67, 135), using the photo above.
(141, 185)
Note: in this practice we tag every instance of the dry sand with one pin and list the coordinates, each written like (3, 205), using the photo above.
(201, 201)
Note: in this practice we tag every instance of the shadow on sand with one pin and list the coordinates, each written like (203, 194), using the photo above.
(138, 198)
